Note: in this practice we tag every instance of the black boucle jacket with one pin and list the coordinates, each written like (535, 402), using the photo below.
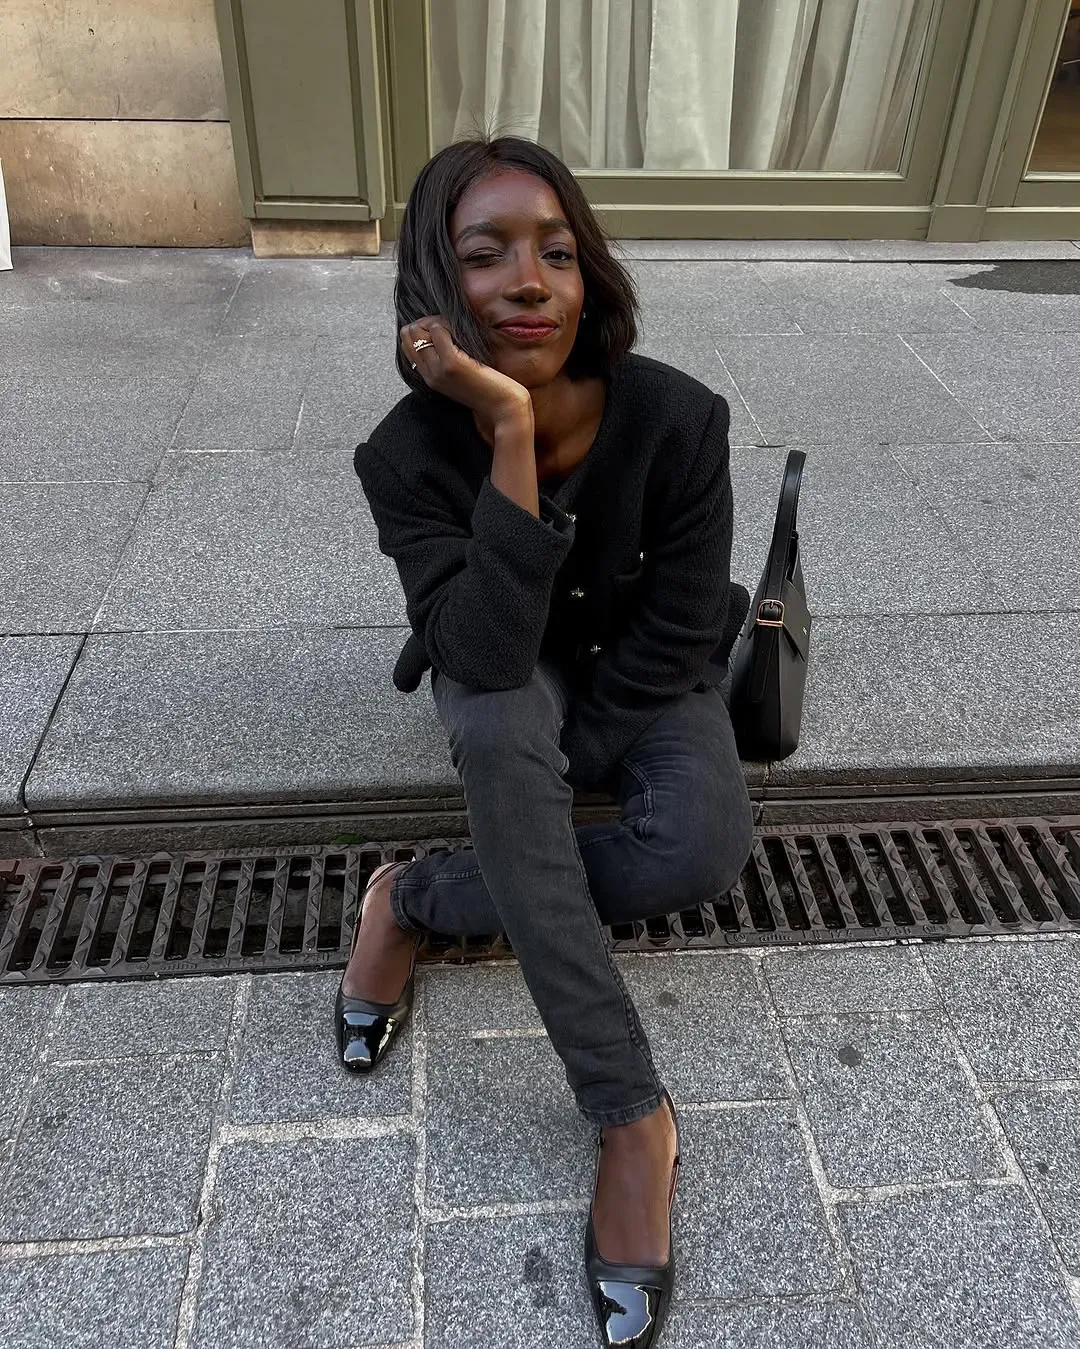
(623, 581)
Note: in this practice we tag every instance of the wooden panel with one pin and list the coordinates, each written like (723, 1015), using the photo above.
(302, 98)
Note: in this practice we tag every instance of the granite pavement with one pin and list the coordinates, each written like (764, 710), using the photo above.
(881, 1150)
(197, 628)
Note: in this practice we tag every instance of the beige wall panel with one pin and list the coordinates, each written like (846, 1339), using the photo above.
(110, 58)
(167, 183)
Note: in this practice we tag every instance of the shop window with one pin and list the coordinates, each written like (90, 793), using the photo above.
(691, 85)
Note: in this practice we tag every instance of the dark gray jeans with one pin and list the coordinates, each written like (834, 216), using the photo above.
(684, 836)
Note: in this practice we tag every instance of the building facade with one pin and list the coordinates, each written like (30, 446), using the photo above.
(943, 119)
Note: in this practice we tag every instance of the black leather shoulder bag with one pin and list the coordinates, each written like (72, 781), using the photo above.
(769, 675)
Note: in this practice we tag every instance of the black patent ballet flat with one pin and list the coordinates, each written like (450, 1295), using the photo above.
(365, 1030)
(631, 1301)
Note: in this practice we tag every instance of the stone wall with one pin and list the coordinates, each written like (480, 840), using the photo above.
(113, 124)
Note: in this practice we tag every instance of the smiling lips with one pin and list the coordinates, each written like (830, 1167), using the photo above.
(527, 328)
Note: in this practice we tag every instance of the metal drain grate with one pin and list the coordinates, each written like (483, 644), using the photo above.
(208, 912)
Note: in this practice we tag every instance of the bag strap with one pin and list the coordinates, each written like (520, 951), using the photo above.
(785, 539)
(780, 605)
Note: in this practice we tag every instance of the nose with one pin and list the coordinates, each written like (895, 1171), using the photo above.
(525, 282)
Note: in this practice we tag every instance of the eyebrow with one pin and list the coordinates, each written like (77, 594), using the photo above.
(489, 227)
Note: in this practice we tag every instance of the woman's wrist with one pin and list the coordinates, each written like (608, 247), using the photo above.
(513, 467)
(513, 418)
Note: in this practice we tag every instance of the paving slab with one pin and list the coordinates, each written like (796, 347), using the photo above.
(353, 385)
(863, 979)
(81, 528)
(110, 1149)
(780, 1325)
(247, 395)
(25, 1014)
(148, 1019)
(970, 1269)
(287, 1066)
(761, 1230)
(888, 1102)
(1014, 1006)
(502, 1124)
(124, 1299)
(1014, 296)
(866, 532)
(842, 297)
(345, 297)
(968, 697)
(490, 996)
(1044, 1129)
(708, 1025)
(681, 300)
(123, 276)
(830, 388)
(507, 1282)
(232, 541)
(922, 250)
(309, 1244)
(240, 716)
(90, 401)
(32, 673)
(732, 250)
(1018, 386)
(994, 500)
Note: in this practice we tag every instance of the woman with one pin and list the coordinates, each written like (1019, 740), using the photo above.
(559, 512)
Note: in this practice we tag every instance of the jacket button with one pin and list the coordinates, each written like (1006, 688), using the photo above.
(641, 557)
(577, 593)
(595, 650)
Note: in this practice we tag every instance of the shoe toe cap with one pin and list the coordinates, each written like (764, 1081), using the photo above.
(628, 1312)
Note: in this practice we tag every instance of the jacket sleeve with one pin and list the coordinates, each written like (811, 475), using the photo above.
(477, 593)
(663, 650)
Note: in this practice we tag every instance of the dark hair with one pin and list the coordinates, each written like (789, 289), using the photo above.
(428, 280)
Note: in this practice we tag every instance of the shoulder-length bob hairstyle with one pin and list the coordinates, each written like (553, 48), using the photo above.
(428, 279)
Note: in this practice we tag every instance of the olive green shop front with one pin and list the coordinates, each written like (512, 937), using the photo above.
(949, 120)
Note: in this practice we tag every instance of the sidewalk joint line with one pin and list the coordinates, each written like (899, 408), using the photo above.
(1012, 1162)
(742, 400)
(827, 1192)
(961, 405)
(80, 648)
(299, 1131)
(509, 1209)
(29, 1250)
(185, 1317)
(419, 1085)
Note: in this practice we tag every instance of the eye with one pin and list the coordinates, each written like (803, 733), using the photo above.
(481, 259)
(559, 254)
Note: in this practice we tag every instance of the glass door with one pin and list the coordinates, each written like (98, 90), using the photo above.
(1039, 174)
(695, 118)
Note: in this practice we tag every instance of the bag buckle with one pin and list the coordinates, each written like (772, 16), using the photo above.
(770, 614)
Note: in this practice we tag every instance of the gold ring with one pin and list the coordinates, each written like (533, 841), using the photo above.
(424, 342)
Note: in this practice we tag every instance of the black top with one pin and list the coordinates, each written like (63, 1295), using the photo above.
(623, 581)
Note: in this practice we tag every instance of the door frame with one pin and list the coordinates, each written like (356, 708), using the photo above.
(1015, 185)
(732, 203)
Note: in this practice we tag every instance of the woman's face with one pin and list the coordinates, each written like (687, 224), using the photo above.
(519, 271)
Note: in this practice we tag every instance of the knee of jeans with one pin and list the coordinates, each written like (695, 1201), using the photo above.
(700, 858)
(487, 728)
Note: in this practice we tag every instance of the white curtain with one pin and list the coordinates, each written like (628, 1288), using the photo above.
(683, 84)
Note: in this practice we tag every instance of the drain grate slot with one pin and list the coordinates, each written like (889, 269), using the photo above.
(295, 908)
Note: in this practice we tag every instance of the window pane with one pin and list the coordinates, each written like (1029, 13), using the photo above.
(805, 85)
(1057, 146)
